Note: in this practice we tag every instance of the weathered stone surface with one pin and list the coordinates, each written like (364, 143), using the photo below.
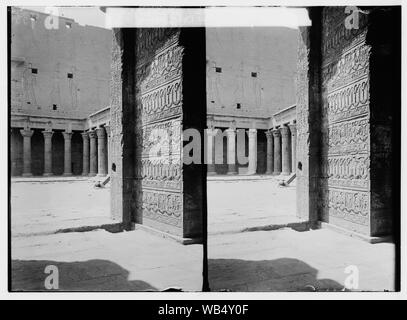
(165, 82)
(340, 136)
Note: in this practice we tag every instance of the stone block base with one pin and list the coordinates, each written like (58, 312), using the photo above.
(325, 225)
(166, 235)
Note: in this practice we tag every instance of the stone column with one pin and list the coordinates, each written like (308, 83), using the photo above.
(285, 150)
(231, 136)
(47, 152)
(67, 153)
(270, 147)
(210, 150)
(277, 152)
(27, 134)
(293, 129)
(85, 153)
(107, 128)
(252, 168)
(101, 134)
(93, 170)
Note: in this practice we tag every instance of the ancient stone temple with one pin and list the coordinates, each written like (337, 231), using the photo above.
(59, 110)
(346, 124)
(348, 107)
(158, 85)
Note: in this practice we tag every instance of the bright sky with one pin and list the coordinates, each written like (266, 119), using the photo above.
(92, 16)
(174, 17)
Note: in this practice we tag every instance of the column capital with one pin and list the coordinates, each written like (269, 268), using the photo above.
(67, 135)
(252, 131)
(211, 132)
(85, 135)
(48, 133)
(269, 134)
(230, 131)
(285, 131)
(107, 128)
(92, 134)
(276, 133)
(293, 128)
(27, 132)
(101, 133)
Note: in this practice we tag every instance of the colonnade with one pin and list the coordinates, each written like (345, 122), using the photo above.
(95, 151)
(281, 150)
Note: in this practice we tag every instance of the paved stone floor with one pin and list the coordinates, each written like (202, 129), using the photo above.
(287, 260)
(103, 261)
(235, 205)
(280, 260)
(45, 205)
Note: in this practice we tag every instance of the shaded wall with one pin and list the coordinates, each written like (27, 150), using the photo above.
(158, 85)
(345, 119)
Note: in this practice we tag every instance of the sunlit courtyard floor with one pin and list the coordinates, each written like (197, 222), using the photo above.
(279, 260)
(236, 205)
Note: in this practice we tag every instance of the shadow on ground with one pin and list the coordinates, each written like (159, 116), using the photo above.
(91, 275)
(281, 275)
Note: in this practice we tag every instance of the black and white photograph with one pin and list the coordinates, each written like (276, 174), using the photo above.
(211, 149)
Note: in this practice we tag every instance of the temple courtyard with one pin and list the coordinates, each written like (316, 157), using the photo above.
(48, 228)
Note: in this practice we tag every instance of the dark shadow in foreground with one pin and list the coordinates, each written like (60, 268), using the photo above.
(91, 275)
(283, 275)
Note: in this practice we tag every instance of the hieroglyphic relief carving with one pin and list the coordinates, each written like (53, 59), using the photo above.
(158, 165)
(156, 174)
(163, 102)
(345, 142)
(151, 41)
(347, 102)
(348, 205)
(351, 171)
(164, 137)
(165, 67)
(352, 65)
(161, 206)
(336, 37)
(344, 137)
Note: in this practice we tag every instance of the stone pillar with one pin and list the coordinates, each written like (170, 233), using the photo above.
(93, 170)
(67, 153)
(231, 136)
(85, 153)
(27, 134)
(108, 150)
(270, 147)
(293, 129)
(101, 134)
(47, 152)
(210, 150)
(285, 150)
(277, 152)
(252, 168)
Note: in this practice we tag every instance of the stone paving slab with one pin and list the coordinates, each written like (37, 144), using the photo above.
(236, 206)
(287, 260)
(53, 179)
(103, 261)
(47, 207)
(280, 260)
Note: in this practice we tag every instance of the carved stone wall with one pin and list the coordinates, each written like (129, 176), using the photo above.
(345, 146)
(308, 118)
(158, 129)
(122, 125)
(347, 100)
(163, 95)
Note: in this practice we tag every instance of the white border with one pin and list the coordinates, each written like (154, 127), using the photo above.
(4, 294)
